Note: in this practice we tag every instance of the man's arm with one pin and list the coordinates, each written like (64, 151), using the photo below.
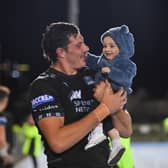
(7, 158)
(61, 137)
(3, 142)
(123, 123)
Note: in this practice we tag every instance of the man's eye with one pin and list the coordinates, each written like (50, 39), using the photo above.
(112, 46)
(78, 45)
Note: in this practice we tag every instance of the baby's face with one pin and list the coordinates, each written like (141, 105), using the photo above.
(110, 48)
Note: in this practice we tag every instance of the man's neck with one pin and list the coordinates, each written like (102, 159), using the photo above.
(64, 68)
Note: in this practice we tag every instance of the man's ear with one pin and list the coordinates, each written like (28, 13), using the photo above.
(60, 52)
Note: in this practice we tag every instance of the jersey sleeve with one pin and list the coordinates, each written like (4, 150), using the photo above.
(45, 101)
(123, 71)
(3, 120)
(92, 61)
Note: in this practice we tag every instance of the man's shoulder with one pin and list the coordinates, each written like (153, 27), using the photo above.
(87, 71)
(45, 78)
(92, 61)
(46, 82)
(87, 75)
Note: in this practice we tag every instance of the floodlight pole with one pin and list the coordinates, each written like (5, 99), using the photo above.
(73, 11)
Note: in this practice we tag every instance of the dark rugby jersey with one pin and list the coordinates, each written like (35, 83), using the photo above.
(71, 96)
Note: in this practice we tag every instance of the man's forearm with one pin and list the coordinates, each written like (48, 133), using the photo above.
(61, 137)
(123, 122)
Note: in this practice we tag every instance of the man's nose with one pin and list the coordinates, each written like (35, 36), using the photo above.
(86, 48)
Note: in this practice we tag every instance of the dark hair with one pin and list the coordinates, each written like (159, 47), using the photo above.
(57, 35)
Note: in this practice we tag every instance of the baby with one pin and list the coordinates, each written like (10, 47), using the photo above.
(115, 65)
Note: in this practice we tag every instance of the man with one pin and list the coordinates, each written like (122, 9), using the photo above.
(6, 159)
(64, 107)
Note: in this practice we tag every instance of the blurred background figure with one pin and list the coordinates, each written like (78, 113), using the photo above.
(127, 159)
(30, 142)
(165, 125)
(6, 159)
(32, 145)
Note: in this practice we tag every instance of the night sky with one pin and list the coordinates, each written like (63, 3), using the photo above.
(23, 22)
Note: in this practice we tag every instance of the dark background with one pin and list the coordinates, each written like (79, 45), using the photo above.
(23, 22)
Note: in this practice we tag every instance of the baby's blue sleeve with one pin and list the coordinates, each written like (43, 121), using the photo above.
(122, 73)
(92, 61)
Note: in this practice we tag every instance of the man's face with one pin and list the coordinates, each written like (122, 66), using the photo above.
(3, 104)
(76, 52)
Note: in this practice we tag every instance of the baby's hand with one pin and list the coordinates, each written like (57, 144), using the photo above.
(105, 70)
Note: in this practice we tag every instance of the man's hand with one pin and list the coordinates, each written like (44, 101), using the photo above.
(114, 101)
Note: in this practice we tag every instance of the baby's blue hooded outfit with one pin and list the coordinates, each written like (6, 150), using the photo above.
(123, 70)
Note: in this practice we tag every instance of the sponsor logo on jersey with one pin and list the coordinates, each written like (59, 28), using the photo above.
(88, 80)
(48, 108)
(65, 84)
(76, 94)
(42, 100)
